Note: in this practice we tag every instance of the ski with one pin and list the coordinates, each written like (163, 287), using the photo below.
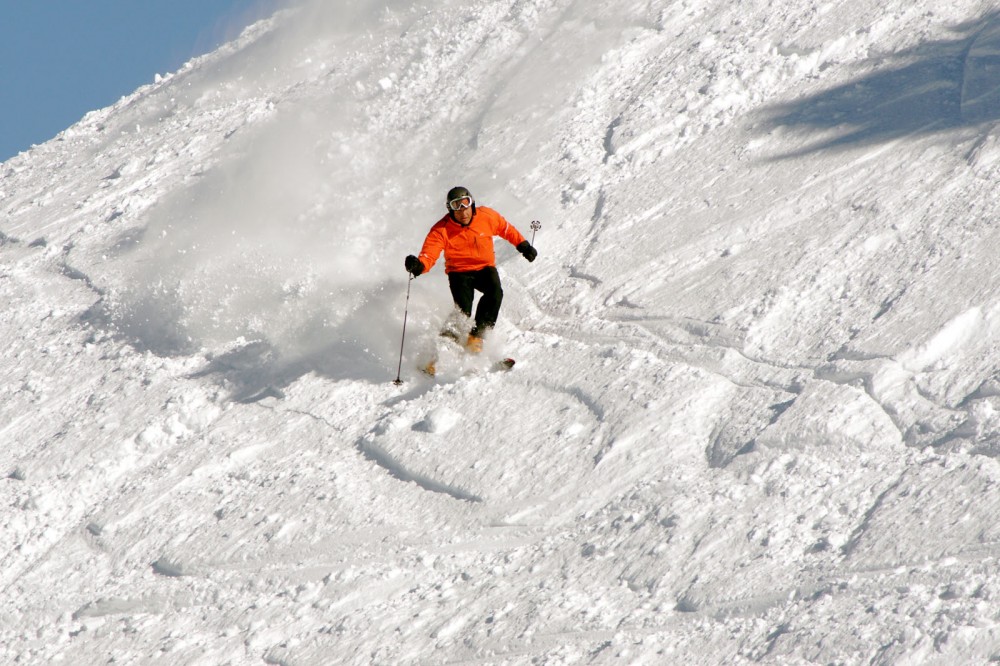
(503, 365)
(453, 351)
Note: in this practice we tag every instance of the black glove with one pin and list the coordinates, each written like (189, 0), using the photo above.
(529, 252)
(413, 266)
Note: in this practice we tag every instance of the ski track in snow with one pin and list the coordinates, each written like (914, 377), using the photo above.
(755, 413)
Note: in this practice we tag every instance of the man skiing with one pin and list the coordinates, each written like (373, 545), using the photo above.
(465, 235)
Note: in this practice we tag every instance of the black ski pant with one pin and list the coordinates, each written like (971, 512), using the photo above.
(463, 289)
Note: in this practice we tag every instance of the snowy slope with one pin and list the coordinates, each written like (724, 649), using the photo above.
(756, 410)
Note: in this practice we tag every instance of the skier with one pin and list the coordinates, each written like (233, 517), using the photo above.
(465, 235)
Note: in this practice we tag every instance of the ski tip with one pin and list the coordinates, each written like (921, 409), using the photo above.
(504, 364)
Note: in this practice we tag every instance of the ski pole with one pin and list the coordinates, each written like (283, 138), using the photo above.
(535, 226)
(406, 311)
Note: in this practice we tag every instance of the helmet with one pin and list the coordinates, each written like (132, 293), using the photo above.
(458, 192)
(456, 195)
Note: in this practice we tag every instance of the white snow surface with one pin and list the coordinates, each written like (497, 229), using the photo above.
(756, 412)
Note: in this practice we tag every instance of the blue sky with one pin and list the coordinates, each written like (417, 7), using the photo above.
(60, 59)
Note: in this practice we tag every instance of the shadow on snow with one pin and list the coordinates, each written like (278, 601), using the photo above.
(934, 87)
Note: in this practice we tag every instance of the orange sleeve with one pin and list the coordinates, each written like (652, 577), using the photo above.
(507, 231)
(433, 247)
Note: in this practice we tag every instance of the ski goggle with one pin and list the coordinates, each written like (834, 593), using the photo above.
(460, 203)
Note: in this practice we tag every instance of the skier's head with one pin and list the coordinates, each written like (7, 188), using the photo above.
(461, 205)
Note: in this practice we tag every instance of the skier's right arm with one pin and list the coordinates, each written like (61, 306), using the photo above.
(429, 253)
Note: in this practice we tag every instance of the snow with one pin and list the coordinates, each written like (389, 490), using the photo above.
(755, 416)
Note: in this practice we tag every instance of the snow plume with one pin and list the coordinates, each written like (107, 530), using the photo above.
(270, 245)
(299, 225)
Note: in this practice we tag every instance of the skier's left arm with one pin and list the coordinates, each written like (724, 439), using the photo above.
(509, 233)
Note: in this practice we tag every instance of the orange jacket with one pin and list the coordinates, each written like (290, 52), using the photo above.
(467, 248)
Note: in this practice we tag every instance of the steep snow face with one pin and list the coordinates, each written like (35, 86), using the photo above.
(755, 413)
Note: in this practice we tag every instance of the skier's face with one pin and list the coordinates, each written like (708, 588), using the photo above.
(461, 209)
